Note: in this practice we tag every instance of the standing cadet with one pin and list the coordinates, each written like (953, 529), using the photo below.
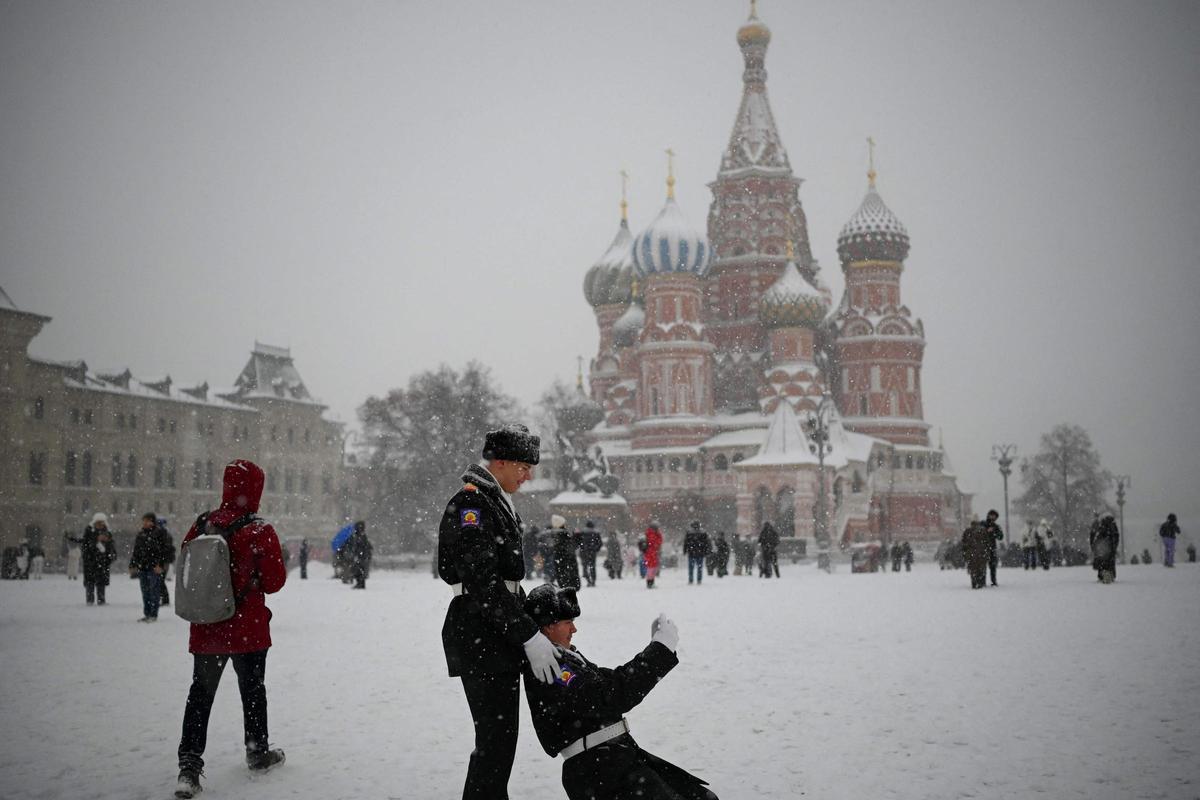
(580, 715)
(590, 542)
(486, 627)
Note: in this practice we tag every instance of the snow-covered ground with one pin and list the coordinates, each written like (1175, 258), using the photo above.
(824, 686)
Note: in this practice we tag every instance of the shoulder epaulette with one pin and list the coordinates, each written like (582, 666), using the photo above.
(470, 487)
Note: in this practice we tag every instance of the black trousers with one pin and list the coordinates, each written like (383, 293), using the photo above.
(993, 562)
(94, 591)
(251, 669)
(621, 770)
(494, 700)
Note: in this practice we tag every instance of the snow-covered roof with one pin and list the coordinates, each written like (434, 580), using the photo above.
(873, 231)
(785, 444)
(587, 499)
(670, 244)
(746, 437)
(610, 279)
(271, 373)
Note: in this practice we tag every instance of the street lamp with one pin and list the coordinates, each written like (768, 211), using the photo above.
(817, 427)
(1003, 454)
(1123, 481)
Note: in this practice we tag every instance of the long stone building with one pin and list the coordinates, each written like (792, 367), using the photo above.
(79, 441)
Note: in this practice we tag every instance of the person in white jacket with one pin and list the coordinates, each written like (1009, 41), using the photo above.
(1029, 546)
(1045, 542)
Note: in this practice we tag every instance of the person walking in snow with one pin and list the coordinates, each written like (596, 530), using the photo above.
(1029, 546)
(256, 567)
(581, 714)
(1104, 541)
(358, 552)
(590, 542)
(907, 550)
(166, 544)
(566, 545)
(1168, 532)
(487, 635)
(303, 559)
(975, 552)
(73, 556)
(995, 534)
(695, 546)
(146, 564)
(1045, 542)
(721, 554)
(97, 553)
(768, 544)
(653, 553)
(614, 559)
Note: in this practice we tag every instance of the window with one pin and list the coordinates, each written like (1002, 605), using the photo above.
(920, 462)
(895, 461)
(288, 477)
(274, 433)
(689, 464)
(738, 457)
(674, 465)
(87, 417)
(171, 472)
(69, 468)
(128, 506)
(131, 466)
(208, 474)
(304, 481)
(162, 425)
(170, 506)
(291, 435)
(85, 506)
(862, 405)
(912, 379)
(133, 422)
(649, 465)
(171, 425)
(39, 407)
(116, 469)
(74, 416)
(845, 379)
(85, 469)
(159, 472)
(876, 382)
(307, 436)
(270, 480)
(120, 420)
(908, 461)
(37, 469)
(721, 463)
(67, 507)
(196, 474)
(856, 483)
(116, 506)
(637, 465)
(326, 483)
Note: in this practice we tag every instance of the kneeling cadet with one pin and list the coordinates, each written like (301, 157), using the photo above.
(606, 763)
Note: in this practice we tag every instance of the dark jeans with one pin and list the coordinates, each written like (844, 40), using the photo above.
(251, 669)
(696, 564)
(1030, 554)
(94, 592)
(589, 569)
(993, 562)
(151, 592)
(494, 700)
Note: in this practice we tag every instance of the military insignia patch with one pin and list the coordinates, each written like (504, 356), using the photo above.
(564, 677)
(469, 517)
(470, 487)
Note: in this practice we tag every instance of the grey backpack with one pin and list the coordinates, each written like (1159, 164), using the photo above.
(203, 578)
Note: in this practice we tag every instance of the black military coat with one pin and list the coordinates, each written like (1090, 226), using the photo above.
(479, 546)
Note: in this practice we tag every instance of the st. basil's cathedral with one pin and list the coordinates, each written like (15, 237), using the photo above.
(716, 352)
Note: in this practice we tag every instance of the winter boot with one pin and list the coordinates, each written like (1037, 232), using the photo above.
(188, 785)
(264, 760)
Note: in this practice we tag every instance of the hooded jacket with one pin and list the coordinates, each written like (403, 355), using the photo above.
(256, 562)
(654, 541)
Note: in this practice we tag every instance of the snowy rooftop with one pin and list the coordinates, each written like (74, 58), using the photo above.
(587, 499)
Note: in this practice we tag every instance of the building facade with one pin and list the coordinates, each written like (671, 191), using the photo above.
(718, 351)
(80, 441)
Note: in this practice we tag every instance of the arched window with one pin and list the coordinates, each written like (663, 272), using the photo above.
(862, 405)
(674, 465)
(785, 511)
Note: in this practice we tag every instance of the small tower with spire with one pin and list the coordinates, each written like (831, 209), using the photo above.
(879, 346)
(608, 289)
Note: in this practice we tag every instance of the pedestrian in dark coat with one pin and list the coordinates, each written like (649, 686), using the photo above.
(304, 559)
(256, 567)
(975, 553)
(695, 546)
(994, 535)
(614, 561)
(580, 716)
(487, 635)
(566, 547)
(1168, 532)
(897, 556)
(908, 556)
(358, 552)
(167, 547)
(1104, 542)
(146, 564)
(721, 554)
(590, 543)
(97, 552)
(768, 543)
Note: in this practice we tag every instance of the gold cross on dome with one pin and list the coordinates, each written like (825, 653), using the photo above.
(624, 190)
(871, 160)
(670, 173)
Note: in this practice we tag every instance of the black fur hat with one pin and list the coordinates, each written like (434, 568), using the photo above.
(547, 604)
(512, 443)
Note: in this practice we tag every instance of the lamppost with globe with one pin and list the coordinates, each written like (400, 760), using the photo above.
(1004, 455)
(1123, 482)
(817, 427)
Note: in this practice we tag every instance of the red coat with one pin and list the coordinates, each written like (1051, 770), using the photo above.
(257, 565)
(653, 547)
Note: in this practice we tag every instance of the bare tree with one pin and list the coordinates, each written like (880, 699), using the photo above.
(1065, 483)
(420, 438)
(566, 414)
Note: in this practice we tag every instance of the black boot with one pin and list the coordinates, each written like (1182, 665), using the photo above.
(264, 760)
(189, 784)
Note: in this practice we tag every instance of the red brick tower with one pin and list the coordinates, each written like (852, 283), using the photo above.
(879, 347)
(675, 361)
(755, 212)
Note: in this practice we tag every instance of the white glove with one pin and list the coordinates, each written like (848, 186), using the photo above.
(664, 631)
(543, 657)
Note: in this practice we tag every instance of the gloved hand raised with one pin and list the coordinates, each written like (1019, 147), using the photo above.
(664, 631)
(543, 657)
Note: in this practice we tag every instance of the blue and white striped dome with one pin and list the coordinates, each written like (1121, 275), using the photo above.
(671, 245)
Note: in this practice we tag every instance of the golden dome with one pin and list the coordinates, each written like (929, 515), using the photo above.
(754, 31)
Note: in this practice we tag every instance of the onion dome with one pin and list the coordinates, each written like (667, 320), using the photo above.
(753, 32)
(792, 301)
(670, 244)
(610, 279)
(874, 232)
(628, 327)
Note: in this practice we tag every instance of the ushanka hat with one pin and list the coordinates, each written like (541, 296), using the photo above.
(547, 604)
(512, 443)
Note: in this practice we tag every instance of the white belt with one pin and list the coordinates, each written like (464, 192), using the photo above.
(512, 586)
(593, 739)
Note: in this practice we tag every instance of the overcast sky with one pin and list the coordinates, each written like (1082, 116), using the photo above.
(386, 186)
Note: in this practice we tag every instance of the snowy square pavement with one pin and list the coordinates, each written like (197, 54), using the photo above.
(822, 686)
